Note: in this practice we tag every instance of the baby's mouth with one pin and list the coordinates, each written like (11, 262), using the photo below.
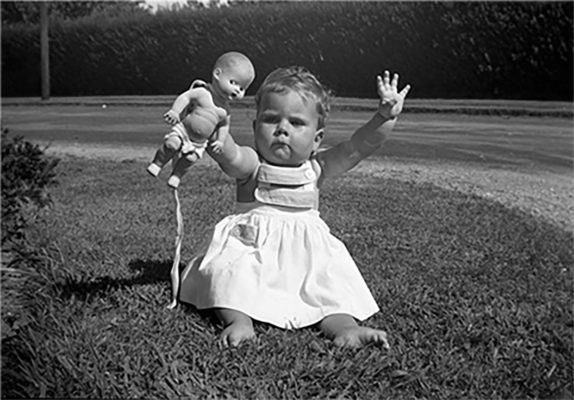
(280, 144)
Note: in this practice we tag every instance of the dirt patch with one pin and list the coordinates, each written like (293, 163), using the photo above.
(544, 194)
(98, 151)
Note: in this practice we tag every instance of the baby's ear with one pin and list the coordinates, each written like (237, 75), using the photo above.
(216, 73)
(318, 138)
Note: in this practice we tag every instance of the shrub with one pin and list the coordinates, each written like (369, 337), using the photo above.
(26, 173)
(518, 50)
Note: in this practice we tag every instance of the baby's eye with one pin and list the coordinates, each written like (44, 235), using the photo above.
(233, 82)
(297, 122)
(269, 119)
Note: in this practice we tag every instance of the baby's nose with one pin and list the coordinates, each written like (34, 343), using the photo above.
(281, 128)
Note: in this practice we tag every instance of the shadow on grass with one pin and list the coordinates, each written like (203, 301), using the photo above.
(149, 272)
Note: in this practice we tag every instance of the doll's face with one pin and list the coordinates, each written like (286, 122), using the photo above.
(232, 82)
(286, 128)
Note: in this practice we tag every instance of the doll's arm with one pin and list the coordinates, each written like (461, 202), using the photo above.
(220, 135)
(369, 137)
(172, 116)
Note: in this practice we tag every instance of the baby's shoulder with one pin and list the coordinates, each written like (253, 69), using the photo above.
(317, 166)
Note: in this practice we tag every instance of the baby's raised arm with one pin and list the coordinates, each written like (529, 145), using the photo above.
(369, 137)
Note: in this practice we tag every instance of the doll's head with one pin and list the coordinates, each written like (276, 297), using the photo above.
(292, 109)
(233, 72)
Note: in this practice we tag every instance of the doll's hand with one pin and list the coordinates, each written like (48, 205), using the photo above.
(171, 117)
(217, 146)
(391, 100)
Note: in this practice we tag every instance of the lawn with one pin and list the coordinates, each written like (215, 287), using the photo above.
(476, 296)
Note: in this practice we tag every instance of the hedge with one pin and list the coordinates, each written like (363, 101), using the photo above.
(498, 50)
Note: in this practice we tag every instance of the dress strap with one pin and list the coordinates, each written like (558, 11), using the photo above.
(287, 186)
(288, 176)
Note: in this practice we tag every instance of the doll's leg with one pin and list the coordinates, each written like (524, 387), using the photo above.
(345, 332)
(238, 326)
(170, 146)
(181, 167)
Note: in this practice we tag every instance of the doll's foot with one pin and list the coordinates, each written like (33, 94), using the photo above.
(360, 336)
(172, 305)
(173, 181)
(153, 169)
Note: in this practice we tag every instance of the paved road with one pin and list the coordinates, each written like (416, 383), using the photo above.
(513, 141)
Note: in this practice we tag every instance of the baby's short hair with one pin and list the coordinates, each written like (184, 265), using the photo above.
(303, 82)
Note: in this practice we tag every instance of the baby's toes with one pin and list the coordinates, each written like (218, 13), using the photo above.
(233, 337)
(360, 337)
(380, 337)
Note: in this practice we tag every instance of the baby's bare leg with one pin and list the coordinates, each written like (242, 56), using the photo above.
(238, 326)
(345, 332)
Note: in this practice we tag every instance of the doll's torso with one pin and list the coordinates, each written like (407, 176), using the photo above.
(203, 117)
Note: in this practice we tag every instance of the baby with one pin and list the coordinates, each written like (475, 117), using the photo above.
(201, 114)
(274, 259)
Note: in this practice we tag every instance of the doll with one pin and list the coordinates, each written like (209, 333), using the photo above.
(201, 115)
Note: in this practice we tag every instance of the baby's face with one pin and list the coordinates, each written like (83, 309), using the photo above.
(233, 82)
(286, 128)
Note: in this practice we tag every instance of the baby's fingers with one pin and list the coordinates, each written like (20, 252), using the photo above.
(386, 77)
(395, 81)
(405, 91)
(383, 83)
(380, 85)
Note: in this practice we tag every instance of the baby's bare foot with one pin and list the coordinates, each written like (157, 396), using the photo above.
(359, 336)
(238, 327)
(236, 333)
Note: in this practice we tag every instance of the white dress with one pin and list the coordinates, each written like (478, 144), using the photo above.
(275, 258)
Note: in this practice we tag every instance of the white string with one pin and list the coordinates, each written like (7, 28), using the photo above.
(178, 240)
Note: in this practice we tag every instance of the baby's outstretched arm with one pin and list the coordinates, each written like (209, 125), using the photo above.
(236, 161)
(219, 136)
(369, 137)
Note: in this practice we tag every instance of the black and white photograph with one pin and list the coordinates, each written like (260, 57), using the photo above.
(257, 199)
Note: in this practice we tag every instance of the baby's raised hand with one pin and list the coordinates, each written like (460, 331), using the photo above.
(171, 117)
(391, 100)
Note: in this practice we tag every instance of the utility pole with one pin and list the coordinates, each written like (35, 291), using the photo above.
(44, 50)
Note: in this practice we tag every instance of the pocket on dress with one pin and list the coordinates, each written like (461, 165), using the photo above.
(245, 233)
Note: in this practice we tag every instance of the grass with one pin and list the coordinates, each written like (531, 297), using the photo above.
(477, 298)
